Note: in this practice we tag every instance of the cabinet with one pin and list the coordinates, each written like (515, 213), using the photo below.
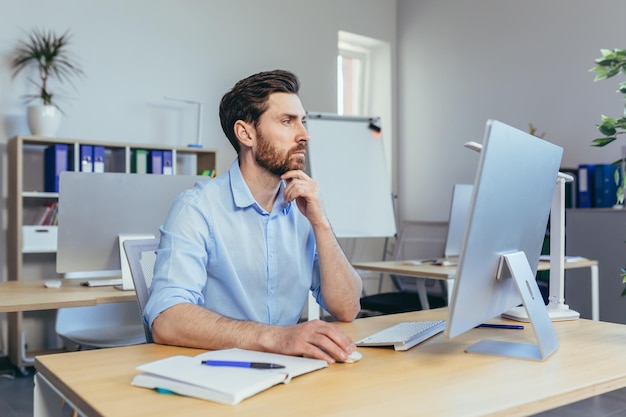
(598, 234)
(31, 248)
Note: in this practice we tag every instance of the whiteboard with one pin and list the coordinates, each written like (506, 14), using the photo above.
(347, 160)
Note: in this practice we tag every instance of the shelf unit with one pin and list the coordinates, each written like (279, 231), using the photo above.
(31, 249)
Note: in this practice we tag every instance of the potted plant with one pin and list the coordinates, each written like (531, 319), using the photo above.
(47, 52)
(611, 63)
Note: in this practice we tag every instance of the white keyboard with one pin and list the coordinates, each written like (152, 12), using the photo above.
(405, 335)
(102, 282)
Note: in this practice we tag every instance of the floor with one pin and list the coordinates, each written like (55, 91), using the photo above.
(16, 400)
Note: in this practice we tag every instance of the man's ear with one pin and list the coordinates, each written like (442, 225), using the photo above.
(244, 133)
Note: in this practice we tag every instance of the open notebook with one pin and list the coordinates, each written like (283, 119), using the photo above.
(186, 375)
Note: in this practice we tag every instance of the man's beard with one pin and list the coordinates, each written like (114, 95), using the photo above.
(276, 162)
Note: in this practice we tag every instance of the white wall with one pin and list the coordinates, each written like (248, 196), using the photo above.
(463, 62)
(135, 52)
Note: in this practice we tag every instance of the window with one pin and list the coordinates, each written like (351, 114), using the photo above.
(351, 72)
(364, 86)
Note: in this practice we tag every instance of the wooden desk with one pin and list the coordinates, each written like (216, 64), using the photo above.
(448, 273)
(435, 378)
(31, 295)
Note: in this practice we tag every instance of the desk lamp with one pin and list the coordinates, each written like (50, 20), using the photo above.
(557, 309)
(198, 143)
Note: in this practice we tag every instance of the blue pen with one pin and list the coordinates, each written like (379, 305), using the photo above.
(238, 364)
(502, 326)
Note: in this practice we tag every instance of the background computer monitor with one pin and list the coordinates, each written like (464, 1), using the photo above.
(508, 214)
(95, 208)
(459, 208)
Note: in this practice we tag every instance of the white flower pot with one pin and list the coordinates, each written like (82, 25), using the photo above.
(43, 120)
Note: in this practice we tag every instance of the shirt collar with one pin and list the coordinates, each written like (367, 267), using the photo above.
(243, 197)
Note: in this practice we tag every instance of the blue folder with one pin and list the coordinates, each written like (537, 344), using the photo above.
(605, 187)
(98, 159)
(155, 162)
(55, 162)
(168, 163)
(86, 158)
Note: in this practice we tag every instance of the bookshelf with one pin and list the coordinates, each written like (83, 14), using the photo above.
(31, 248)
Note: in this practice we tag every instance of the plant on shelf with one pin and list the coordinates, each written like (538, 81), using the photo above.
(48, 53)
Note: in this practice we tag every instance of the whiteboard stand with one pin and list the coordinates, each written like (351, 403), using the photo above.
(353, 147)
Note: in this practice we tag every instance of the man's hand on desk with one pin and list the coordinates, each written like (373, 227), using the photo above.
(190, 325)
(313, 339)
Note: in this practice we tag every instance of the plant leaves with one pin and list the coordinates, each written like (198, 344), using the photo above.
(599, 142)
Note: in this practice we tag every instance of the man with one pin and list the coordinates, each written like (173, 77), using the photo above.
(239, 253)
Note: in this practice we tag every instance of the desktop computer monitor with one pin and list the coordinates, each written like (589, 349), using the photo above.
(96, 208)
(506, 224)
(459, 207)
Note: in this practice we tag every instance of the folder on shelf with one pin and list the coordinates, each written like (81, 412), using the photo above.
(155, 162)
(186, 375)
(571, 188)
(55, 162)
(47, 215)
(605, 185)
(585, 185)
(86, 158)
(139, 161)
(98, 159)
(168, 163)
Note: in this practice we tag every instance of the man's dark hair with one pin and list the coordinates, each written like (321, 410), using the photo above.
(247, 100)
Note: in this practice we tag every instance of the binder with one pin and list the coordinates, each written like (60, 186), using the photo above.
(55, 162)
(585, 185)
(605, 185)
(155, 162)
(98, 159)
(139, 162)
(168, 163)
(86, 158)
(571, 188)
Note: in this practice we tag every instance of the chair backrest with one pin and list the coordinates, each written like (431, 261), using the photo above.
(100, 326)
(141, 254)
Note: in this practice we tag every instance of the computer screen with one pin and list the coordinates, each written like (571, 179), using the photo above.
(95, 208)
(459, 208)
(506, 225)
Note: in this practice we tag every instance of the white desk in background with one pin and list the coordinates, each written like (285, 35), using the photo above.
(448, 273)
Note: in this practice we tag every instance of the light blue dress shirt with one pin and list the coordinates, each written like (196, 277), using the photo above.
(221, 250)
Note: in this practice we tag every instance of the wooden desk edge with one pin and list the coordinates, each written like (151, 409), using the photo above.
(79, 296)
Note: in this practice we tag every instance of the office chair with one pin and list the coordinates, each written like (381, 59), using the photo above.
(141, 254)
(100, 326)
(411, 294)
